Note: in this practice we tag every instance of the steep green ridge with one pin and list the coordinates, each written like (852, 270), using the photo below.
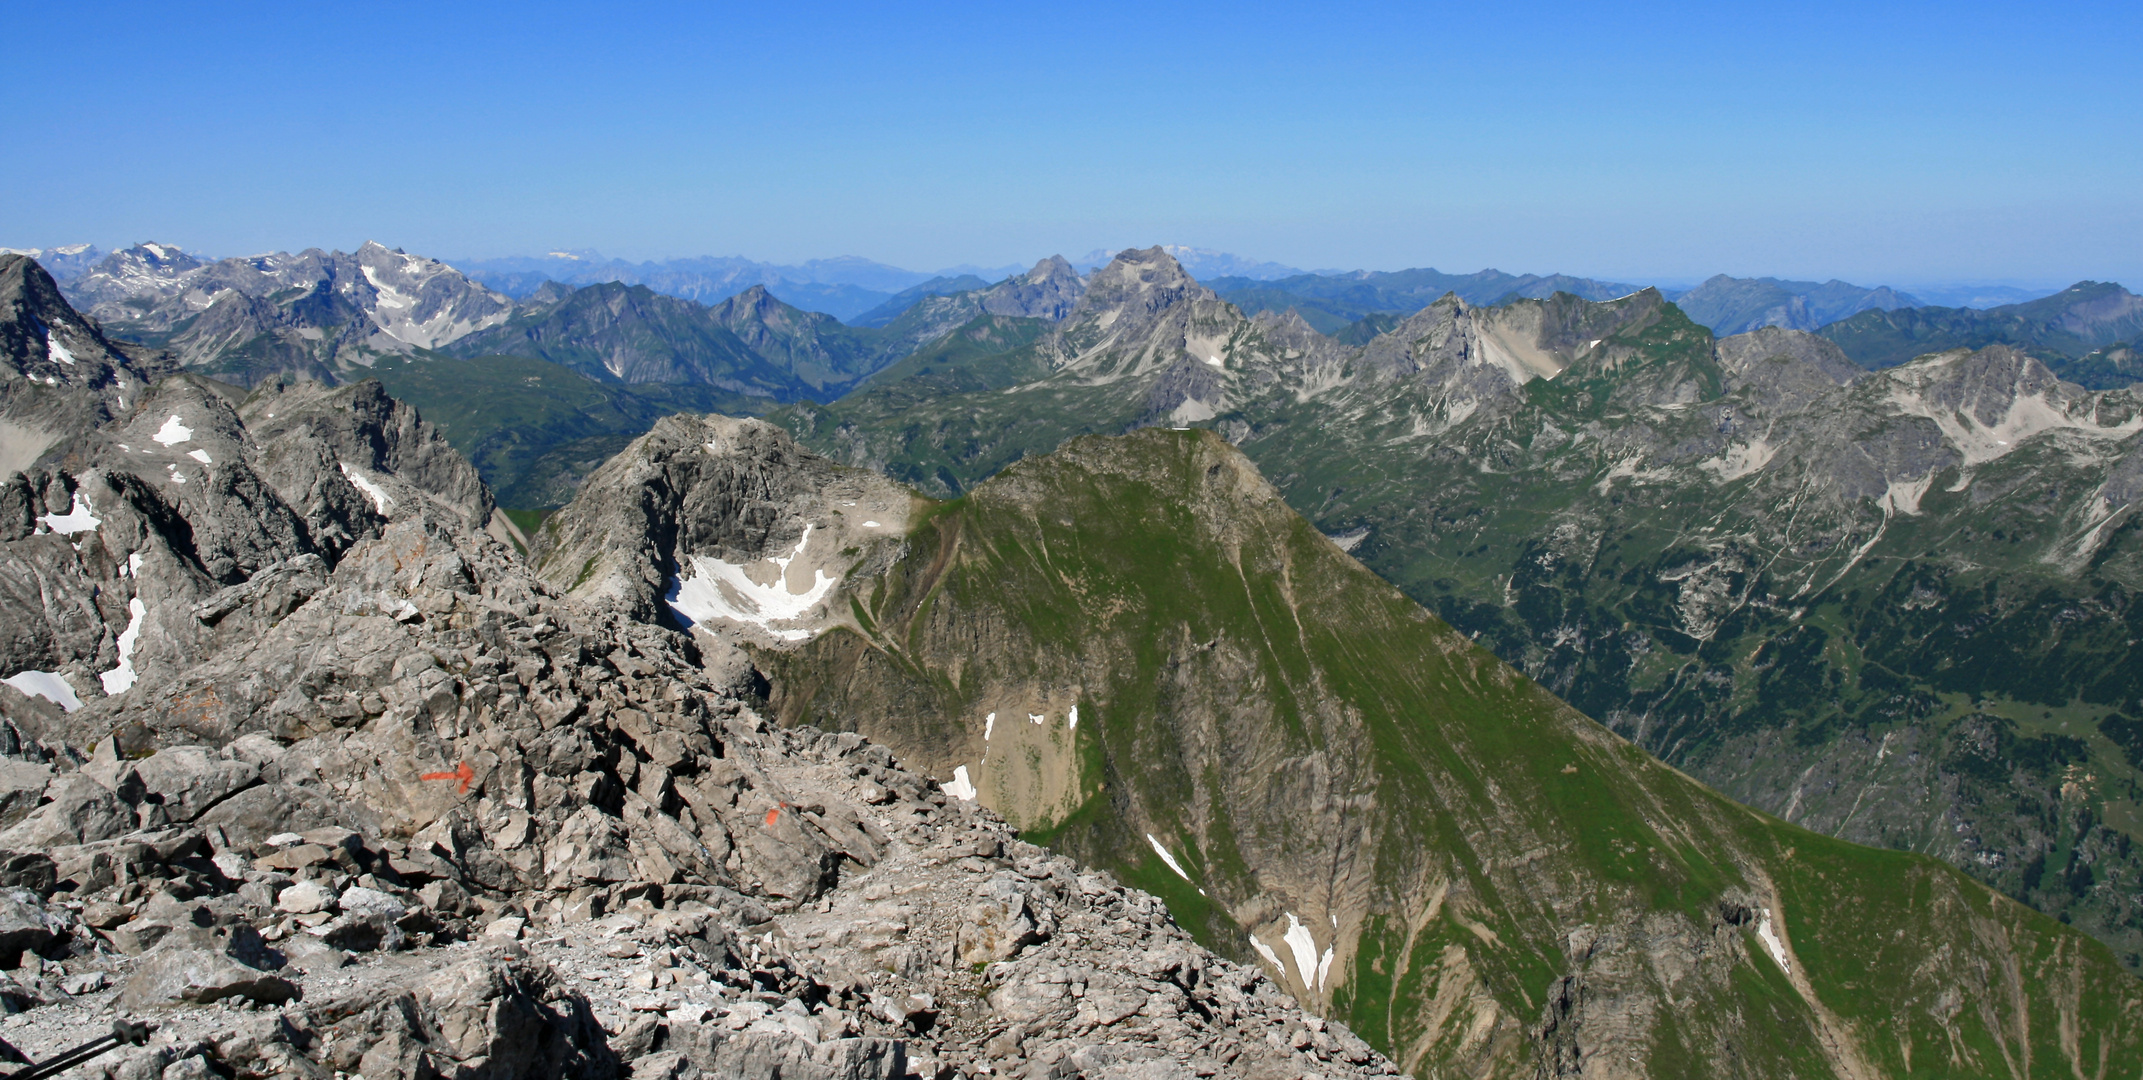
(1898, 608)
(2068, 324)
(533, 429)
(1505, 887)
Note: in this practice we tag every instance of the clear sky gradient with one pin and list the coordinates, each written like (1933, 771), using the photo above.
(1882, 143)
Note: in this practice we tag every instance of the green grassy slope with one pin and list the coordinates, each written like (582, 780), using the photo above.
(1506, 887)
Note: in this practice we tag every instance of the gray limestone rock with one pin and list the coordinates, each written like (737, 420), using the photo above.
(184, 974)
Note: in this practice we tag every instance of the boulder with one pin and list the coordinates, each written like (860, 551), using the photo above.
(591, 847)
(358, 900)
(22, 783)
(187, 780)
(304, 898)
(81, 811)
(27, 925)
(996, 926)
(503, 1015)
(177, 973)
(766, 1056)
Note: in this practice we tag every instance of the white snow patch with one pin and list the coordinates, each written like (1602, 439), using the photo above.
(56, 350)
(119, 679)
(1035, 717)
(719, 589)
(1071, 721)
(1215, 361)
(1270, 956)
(989, 724)
(45, 684)
(1191, 411)
(77, 518)
(1324, 967)
(1740, 460)
(1771, 942)
(200, 456)
(176, 476)
(870, 524)
(1167, 858)
(1304, 947)
(132, 568)
(381, 501)
(960, 787)
(173, 432)
(1349, 541)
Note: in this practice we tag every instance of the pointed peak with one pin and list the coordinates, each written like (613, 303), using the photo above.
(753, 303)
(1288, 328)
(1143, 269)
(758, 300)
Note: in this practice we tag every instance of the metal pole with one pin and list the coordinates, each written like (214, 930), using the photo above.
(124, 1033)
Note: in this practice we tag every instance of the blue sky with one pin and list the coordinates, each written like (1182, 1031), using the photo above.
(1897, 143)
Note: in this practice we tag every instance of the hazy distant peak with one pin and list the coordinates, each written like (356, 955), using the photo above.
(1141, 281)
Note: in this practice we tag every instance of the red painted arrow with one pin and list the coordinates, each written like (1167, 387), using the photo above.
(465, 774)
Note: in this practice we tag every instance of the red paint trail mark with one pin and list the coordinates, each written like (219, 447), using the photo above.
(465, 774)
(771, 817)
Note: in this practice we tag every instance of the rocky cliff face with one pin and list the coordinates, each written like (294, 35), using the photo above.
(300, 739)
(62, 375)
(1133, 649)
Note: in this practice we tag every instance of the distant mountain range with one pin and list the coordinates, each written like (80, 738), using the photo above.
(842, 287)
(64, 262)
(552, 382)
(2080, 319)
(1731, 305)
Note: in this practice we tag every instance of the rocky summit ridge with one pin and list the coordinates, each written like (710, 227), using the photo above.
(300, 763)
